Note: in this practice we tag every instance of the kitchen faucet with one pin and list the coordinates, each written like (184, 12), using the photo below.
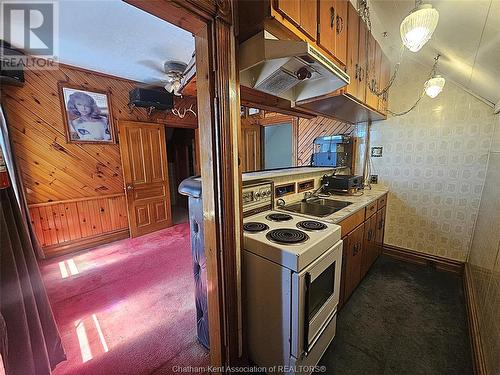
(308, 195)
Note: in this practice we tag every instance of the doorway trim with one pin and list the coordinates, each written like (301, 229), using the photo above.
(211, 22)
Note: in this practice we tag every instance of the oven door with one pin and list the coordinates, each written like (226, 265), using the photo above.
(315, 296)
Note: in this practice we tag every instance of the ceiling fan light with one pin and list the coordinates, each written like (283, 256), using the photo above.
(417, 27)
(434, 86)
(174, 87)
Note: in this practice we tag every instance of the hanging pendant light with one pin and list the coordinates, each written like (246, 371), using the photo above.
(417, 28)
(434, 86)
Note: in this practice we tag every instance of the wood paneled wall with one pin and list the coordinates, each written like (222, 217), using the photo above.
(67, 175)
(313, 128)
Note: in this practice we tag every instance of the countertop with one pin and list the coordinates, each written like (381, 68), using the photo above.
(358, 202)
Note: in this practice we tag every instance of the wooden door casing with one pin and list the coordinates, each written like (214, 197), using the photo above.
(145, 170)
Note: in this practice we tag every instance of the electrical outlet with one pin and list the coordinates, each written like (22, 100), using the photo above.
(376, 152)
(374, 178)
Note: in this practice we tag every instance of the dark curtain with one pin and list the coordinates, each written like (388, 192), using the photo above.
(33, 342)
(17, 182)
(30, 343)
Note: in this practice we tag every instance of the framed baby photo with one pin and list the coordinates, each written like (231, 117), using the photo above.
(87, 115)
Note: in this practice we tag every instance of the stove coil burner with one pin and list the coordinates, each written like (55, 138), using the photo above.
(255, 227)
(311, 225)
(287, 236)
(279, 217)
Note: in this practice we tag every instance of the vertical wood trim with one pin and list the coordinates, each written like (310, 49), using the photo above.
(205, 95)
(478, 359)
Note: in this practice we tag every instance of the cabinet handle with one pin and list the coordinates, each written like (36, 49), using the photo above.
(381, 224)
(356, 71)
(370, 235)
(332, 17)
(361, 74)
(340, 24)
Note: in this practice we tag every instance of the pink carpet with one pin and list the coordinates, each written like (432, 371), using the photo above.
(127, 307)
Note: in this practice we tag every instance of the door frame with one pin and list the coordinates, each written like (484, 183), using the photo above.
(218, 98)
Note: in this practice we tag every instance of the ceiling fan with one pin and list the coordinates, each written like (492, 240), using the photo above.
(177, 73)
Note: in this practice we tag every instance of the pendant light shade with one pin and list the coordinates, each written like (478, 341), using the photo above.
(434, 86)
(417, 28)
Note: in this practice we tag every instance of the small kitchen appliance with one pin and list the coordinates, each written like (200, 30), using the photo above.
(332, 151)
(341, 184)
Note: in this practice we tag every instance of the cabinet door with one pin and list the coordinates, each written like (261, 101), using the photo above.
(371, 98)
(341, 30)
(379, 237)
(309, 17)
(385, 76)
(353, 260)
(362, 61)
(250, 148)
(369, 248)
(290, 9)
(327, 25)
(352, 64)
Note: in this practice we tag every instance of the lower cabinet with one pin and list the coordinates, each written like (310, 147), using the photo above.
(370, 250)
(362, 245)
(353, 257)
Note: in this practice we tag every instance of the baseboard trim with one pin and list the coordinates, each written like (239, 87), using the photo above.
(84, 243)
(439, 263)
(478, 360)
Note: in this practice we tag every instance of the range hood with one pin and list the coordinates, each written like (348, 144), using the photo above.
(289, 69)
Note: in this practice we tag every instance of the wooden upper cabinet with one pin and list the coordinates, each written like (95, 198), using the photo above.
(352, 64)
(372, 78)
(340, 51)
(385, 76)
(332, 29)
(309, 17)
(362, 61)
(327, 25)
(303, 13)
(289, 9)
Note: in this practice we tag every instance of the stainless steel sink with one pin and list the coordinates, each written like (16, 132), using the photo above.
(312, 209)
(330, 202)
(319, 207)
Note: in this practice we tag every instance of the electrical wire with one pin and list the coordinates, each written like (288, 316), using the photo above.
(432, 73)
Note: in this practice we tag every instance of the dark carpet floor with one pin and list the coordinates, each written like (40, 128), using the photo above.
(403, 319)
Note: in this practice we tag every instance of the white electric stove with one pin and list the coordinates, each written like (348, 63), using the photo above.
(291, 268)
(291, 241)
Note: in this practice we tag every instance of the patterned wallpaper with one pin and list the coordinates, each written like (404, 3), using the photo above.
(434, 163)
(484, 258)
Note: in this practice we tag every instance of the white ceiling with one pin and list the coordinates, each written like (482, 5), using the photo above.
(113, 37)
(467, 37)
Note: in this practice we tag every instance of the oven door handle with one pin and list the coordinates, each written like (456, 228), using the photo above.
(307, 279)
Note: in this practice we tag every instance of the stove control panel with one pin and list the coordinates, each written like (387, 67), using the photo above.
(257, 196)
